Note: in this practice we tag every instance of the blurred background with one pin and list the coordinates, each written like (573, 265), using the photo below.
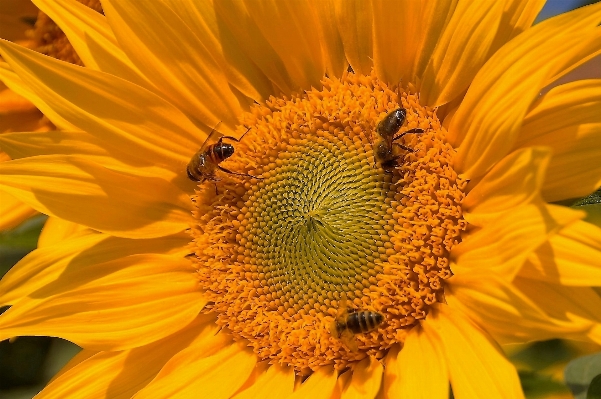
(28, 363)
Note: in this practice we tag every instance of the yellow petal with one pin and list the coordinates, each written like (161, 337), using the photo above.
(517, 17)
(477, 366)
(579, 307)
(240, 69)
(108, 107)
(47, 264)
(57, 230)
(235, 17)
(15, 83)
(174, 59)
(192, 374)
(365, 381)
(396, 37)
(276, 382)
(421, 359)
(92, 38)
(496, 304)
(332, 49)
(515, 181)
(571, 257)
(461, 51)
(122, 374)
(13, 212)
(355, 24)
(489, 119)
(86, 193)
(291, 28)
(504, 244)
(102, 152)
(120, 304)
(567, 119)
(320, 385)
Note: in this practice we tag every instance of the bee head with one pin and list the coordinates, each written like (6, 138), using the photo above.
(224, 150)
(392, 123)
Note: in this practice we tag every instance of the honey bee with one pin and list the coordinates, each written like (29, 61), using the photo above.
(386, 130)
(350, 322)
(204, 163)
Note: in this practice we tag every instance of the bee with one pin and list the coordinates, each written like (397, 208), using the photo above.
(350, 322)
(386, 130)
(206, 161)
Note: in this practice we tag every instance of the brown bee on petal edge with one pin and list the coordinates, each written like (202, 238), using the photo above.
(350, 322)
(386, 130)
(205, 162)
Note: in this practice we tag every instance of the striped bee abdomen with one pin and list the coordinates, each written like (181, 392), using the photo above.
(363, 321)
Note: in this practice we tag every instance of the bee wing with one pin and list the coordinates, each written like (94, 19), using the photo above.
(212, 138)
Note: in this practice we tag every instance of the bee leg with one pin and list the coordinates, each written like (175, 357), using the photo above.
(236, 173)
(233, 138)
(416, 130)
(404, 147)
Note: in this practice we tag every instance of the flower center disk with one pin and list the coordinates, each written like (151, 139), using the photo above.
(327, 231)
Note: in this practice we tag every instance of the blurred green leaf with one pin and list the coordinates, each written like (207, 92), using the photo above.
(580, 372)
(18, 242)
(537, 385)
(594, 390)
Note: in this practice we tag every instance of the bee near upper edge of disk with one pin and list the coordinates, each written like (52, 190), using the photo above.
(386, 137)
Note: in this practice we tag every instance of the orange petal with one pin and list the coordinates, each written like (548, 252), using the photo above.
(489, 119)
(120, 304)
(108, 107)
(86, 193)
(92, 38)
(365, 381)
(571, 257)
(515, 181)
(13, 18)
(355, 24)
(461, 51)
(421, 359)
(498, 305)
(320, 385)
(290, 29)
(124, 373)
(44, 266)
(13, 212)
(192, 374)
(276, 382)
(477, 366)
(504, 244)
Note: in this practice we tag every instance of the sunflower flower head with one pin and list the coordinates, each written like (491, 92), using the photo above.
(326, 228)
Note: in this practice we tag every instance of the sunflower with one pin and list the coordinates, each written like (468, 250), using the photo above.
(372, 215)
(24, 24)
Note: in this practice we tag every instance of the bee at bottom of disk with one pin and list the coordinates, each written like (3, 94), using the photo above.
(205, 161)
(350, 322)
